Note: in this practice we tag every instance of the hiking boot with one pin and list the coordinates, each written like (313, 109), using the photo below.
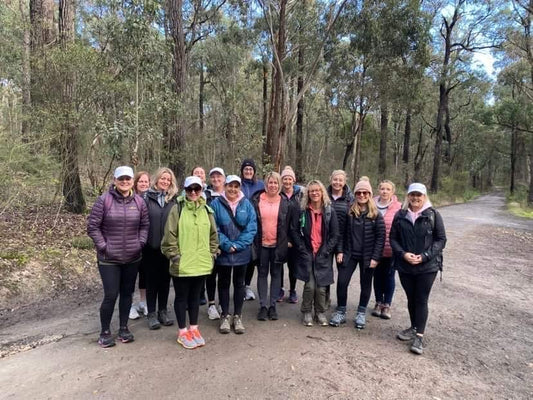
(307, 319)
(360, 320)
(238, 327)
(338, 318)
(162, 317)
(376, 312)
(153, 322)
(106, 340)
(293, 297)
(225, 324)
(186, 340)
(213, 313)
(203, 300)
(262, 315)
(142, 309)
(197, 337)
(321, 319)
(134, 314)
(249, 293)
(418, 345)
(124, 335)
(272, 313)
(281, 295)
(406, 334)
(385, 312)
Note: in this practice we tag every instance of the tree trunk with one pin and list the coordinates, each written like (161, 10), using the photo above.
(530, 156)
(382, 166)
(435, 176)
(176, 141)
(514, 134)
(300, 117)
(407, 137)
(201, 96)
(71, 183)
(26, 73)
(264, 121)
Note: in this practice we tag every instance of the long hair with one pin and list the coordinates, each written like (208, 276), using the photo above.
(138, 176)
(305, 198)
(274, 175)
(172, 189)
(373, 211)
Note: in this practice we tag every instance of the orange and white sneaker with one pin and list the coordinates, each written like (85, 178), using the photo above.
(186, 339)
(196, 335)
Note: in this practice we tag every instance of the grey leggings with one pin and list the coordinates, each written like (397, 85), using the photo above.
(267, 264)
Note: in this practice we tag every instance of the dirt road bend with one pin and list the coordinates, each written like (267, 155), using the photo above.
(479, 339)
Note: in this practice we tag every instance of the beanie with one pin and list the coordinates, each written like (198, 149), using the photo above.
(288, 171)
(363, 185)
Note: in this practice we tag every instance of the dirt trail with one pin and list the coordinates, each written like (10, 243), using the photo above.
(479, 339)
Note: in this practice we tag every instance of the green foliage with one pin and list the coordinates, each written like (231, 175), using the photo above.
(82, 243)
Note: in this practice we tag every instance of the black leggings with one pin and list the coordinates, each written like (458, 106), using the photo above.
(268, 265)
(250, 268)
(188, 290)
(157, 279)
(224, 282)
(211, 285)
(417, 289)
(343, 281)
(291, 264)
(118, 279)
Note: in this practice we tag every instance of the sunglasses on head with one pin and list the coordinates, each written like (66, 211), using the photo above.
(124, 178)
(362, 193)
(193, 189)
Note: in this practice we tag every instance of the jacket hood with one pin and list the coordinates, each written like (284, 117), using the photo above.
(117, 195)
(346, 192)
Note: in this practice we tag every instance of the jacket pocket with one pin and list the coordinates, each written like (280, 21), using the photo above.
(174, 267)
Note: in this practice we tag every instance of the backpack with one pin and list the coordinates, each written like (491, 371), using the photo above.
(439, 257)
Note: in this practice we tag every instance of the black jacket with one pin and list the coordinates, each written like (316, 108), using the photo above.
(424, 237)
(287, 221)
(370, 233)
(341, 206)
(158, 217)
(323, 261)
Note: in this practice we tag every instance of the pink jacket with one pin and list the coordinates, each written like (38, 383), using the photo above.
(393, 208)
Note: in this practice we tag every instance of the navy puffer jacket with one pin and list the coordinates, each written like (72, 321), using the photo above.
(366, 233)
(120, 232)
(341, 207)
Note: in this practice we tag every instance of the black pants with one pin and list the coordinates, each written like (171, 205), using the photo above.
(118, 279)
(417, 289)
(250, 268)
(211, 285)
(384, 283)
(157, 279)
(268, 265)
(343, 281)
(224, 282)
(291, 264)
(188, 290)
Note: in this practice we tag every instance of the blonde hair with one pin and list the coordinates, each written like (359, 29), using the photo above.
(405, 204)
(337, 172)
(172, 189)
(389, 183)
(276, 176)
(325, 198)
(373, 211)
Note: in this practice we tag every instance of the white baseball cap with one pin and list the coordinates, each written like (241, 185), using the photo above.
(217, 169)
(123, 171)
(232, 178)
(417, 187)
(192, 180)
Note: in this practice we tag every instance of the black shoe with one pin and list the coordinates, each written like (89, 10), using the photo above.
(262, 315)
(203, 301)
(153, 322)
(418, 345)
(272, 313)
(163, 318)
(106, 339)
(124, 335)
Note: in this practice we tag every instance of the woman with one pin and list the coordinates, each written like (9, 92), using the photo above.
(190, 243)
(384, 282)
(118, 225)
(318, 237)
(417, 238)
(250, 186)
(141, 183)
(217, 177)
(274, 214)
(364, 237)
(237, 226)
(160, 199)
(293, 193)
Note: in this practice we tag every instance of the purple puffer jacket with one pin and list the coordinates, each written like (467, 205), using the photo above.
(119, 233)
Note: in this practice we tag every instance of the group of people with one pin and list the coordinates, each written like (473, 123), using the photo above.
(212, 235)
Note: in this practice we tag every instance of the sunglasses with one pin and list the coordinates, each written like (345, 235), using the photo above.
(196, 189)
(362, 193)
(124, 178)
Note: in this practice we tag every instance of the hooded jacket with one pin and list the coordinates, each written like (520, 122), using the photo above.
(120, 232)
(368, 233)
(341, 206)
(158, 217)
(391, 211)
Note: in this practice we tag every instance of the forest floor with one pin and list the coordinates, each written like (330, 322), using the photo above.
(479, 335)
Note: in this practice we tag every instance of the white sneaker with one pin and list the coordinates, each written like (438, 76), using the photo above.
(133, 313)
(249, 293)
(142, 309)
(212, 312)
